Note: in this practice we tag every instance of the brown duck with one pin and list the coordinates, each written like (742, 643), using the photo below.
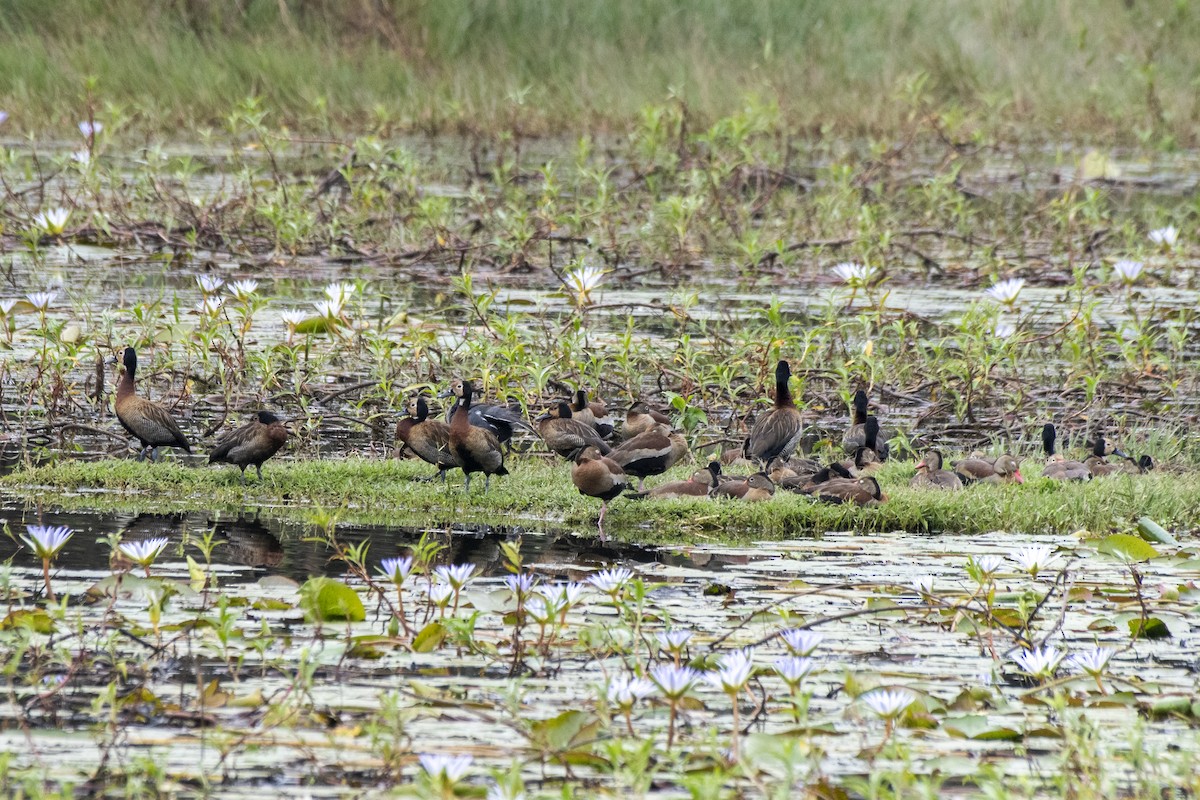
(568, 436)
(859, 491)
(476, 449)
(1057, 467)
(429, 438)
(151, 423)
(251, 444)
(931, 475)
(777, 432)
(596, 475)
(1005, 469)
(650, 453)
(1098, 464)
(753, 488)
(696, 486)
(594, 413)
(641, 418)
(810, 484)
(856, 435)
(502, 421)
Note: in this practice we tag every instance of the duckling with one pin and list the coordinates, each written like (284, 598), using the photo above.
(641, 418)
(778, 431)
(594, 413)
(596, 475)
(429, 438)
(475, 448)
(150, 423)
(856, 435)
(753, 488)
(860, 491)
(502, 421)
(696, 486)
(1058, 468)
(650, 453)
(568, 436)
(253, 443)
(930, 473)
(1004, 469)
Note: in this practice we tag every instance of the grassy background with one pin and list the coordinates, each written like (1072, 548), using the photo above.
(1071, 68)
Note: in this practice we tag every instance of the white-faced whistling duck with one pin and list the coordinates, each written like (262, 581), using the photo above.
(596, 475)
(251, 444)
(151, 423)
(856, 435)
(930, 473)
(778, 431)
(594, 413)
(566, 435)
(429, 438)
(502, 421)
(477, 449)
(641, 418)
(1057, 467)
(650, 453)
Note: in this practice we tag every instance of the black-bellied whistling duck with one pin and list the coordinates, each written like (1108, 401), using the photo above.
(253, 443)
(696, 486)
(568, 436)
(856, 435)
(1057, 467)
(808, 484)
(476, 449)
(641, 418)
(151, 423)
(594, 413)
(596, 475)
(752, 488)
(429, 438)
(930, 473)
(859, 491)
(650, 453)
(778, 431)
(1004, 469)
(502, 421)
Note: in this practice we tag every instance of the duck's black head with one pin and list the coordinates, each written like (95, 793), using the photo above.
(860, 406)
(1048, 437)
(267, 418)
(129, 359)
(581, 401)
(422, 409)
(564, 411)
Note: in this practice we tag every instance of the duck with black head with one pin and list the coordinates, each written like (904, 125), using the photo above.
(149, 422)
(778, 431)
(477, 449)
(251, 444)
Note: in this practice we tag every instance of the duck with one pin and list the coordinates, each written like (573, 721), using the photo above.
(476, 448)
(1098, 464)
(502, 421)
(596, 475)
(859, 491)
(698, 485)
(1057, 467)
(808, 484)
(149, 422)
(641, 418)
(253, 443)
(778, 431)
(429, 438)
(930, 473)
(753, 488)
(856, 435)
(594, 413)
(650, 453)
(568, 436)
(976, 469)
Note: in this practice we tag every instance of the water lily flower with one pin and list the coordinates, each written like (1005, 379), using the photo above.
(243, 289)
(1127, 271)
(987, 565)
(1004, 330)
(611, 580)
(498, 792)
(541, 610)
(625, 690)
(41, 300)
(210, 284)
(443, 767)
(1040, 663)
(340, 293)
(734, 671)
(293, 317)
(328, 310)
(1006, 291)
(1164, 237)
(801, 642)
(53, 221)
(923, 584)
(89, 129)
(440, 594)
(853, 274)
(3, 117)
(209, 306)
(82, 157)
(7, 304)
(888, 704)
(520, 584)
(396, 570)
(1094, 662)
(794, 669)
(1035, 558)
(674, 682)
(47, 542)
(674, 639)
(583, 280)
(565, 595)
(144, 552)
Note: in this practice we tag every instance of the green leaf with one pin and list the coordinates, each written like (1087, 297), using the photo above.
(35, 619)
(1151, 531)
(430, 638)
(561, 732)
(977, 726)
(325, 600)
(314, 325)
(1125, 547)
(1153, 628)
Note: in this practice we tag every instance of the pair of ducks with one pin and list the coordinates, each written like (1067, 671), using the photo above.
(1096, 465)
(154, 427)
(973, 469)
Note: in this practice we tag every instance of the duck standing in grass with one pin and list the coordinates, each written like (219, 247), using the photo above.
(151, 423)
(502, 421)
(429, 438)
(777, 432)
(596, 475)
(856, 435)
(931, 475)
(650, 453)
(476, 449)
(253, 443)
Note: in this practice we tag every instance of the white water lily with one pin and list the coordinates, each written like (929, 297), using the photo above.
(47, 540)
(854, 275)
(89, 129)
(340, 293)
(243, 289)
(625, 690)
(52, 221)
(1035, 558)
(1006, 291)
(1094, 661)
(328, 309)
(440, 594)
(565, 595)
(611, 580)
(3, 117)
(923, 584)
(210, 306)
(520, 584)
(209, 284)
(674, 639)
(40, 300)
(82, 157)
(1164, 237)
(1127, 271)
(674, 682)
(987, 565)
(498, 792)
(1004, 330)
(583, 280)
(396, 570)
(143, 553)
(1040, 662)
(7, 304)
(450, 768)
(734, 671)
(457, 575)
(888, 703)
(794, 669)
(801, 642)
(293, 317)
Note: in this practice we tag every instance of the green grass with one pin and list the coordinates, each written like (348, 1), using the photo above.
(542, 496)
(1059, 68)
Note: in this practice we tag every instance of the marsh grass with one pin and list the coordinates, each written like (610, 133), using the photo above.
(540, 495)
(532, 66)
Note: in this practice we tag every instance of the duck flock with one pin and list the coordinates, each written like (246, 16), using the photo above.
(604, 458)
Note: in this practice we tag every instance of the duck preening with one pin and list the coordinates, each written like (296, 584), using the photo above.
(1057, 467)
(641, 418)
(596, 475)
(931, 475)
(476, 448)
(566, 435)
(778, 431)
(252, 444)
(150, 423)
(593, 413)
(650, 453)
(501, 421)
(429, 438)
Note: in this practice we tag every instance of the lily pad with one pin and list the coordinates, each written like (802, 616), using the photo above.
(1126, 547)
(978, 727)
(325, 600)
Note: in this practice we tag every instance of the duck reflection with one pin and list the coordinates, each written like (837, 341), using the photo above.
(247, 541)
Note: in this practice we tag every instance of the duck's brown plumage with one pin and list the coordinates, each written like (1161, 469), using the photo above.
(1098, 464)
(1005, 469)
(251, 444)
(568, 436)
(1057, 467)
(859, 491)
(930, 473)
(856, 435)
(641, 418)
(501, 421)
(777, 432)
(650, 453)
(752, 488)
(476, 449)
(596, 475)
(149, 422)
(696, 486)
(429, 438)
(594, 413)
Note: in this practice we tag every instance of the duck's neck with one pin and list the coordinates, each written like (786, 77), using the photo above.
(125, 384)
